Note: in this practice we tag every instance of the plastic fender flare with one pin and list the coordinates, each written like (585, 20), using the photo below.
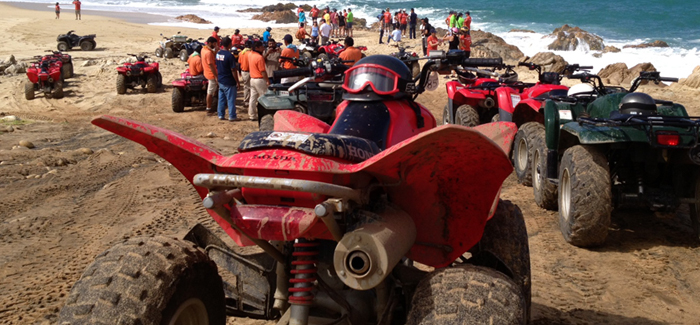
(528, 110)
(551, 125)
(451, 87)
(179, 83)
(504, 100)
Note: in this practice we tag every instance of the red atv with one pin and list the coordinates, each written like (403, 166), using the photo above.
(341, 214)
(139, 73)
(189, 90)
(525, 110)
(44, 76)
(333, 48)
(66, 61)
(472, 99)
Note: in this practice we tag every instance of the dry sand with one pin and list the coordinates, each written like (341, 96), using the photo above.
(59, 207)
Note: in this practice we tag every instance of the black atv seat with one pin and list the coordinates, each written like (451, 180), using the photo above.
(343, 147)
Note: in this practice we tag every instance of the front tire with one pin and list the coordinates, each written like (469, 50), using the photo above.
(154, 280)
(467, 294)
(267, 123)
(121, 84)
(585, 197)
(307, 55)
(415, 69)
(87, 46)
(467, 116)
(323, 57)
(159, 52)
(178, 100)
(28, 90)
(183, 55)
(67, 70)
(522, 151)
(63, 46)
(57, 91)
(544, 190)
(168, 54)
(152, 83)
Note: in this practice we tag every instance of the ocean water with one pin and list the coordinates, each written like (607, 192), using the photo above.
(619, 23)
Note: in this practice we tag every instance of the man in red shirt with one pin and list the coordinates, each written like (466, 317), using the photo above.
(432, 42)
(258, 78)
(468, 21)
(237, 39)
(314, 13)
(350, 53)
(78, 16)
(215, 34)
(403, 18)
(210, 72)
(387, 21)
(465, 41)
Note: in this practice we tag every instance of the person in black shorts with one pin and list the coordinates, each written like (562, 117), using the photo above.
(341, 24)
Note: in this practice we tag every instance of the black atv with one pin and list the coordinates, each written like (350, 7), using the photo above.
(69, 40)
(410, 59)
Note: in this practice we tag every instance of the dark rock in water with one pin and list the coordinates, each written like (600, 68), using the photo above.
(487, 45)
(619, 74)
(656, 43)
(521, 31)
(693, 80)
(570, 38)
(193, 19)
(280, 17)
(278, 7)
(610, 49)
(251, 10)
(550, 62)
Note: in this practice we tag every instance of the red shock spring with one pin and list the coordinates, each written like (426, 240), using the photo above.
(304, 271)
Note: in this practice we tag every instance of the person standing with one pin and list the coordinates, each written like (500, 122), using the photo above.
(381, 27)
(334, 23)
(314, 33)
(210, 72)
(452, 39)
(341, 24)
(325, 30)
(302, 16)
(290, 51)
(350, 53)
(215, 34)
(460, 20)
(453, 20)
(258, 78)
(228, 81)
(350, 20)
(58, 11)
(245, 70)
(387, 20)
(77, 4)
(468, 22)
(432, 41)
(412, 21)
(314, 13)
(237, 39)
(465, 41)
(272, 57)
(404, 22)
(327, 15)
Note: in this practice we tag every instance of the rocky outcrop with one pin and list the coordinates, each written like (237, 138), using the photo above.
(279, 17)
(656, 43)
(521, 31)
(550, 62)
(610, 49)
(487, 45)
(619, 74)
(571, 38)
(193, 19)
(693, 80)
(360, 23)
(278, 7)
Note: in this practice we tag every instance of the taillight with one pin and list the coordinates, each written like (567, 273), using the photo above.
(666, 138)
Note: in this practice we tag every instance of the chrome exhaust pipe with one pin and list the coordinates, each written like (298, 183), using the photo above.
(366, 255)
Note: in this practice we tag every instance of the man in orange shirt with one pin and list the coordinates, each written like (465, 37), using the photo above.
(78, 16)
(258, 78)
(209, 67)
(350, 53)
(215, 34)
(290, 51)
(195, 63)
(468, 21)
(387, 21)
(245, 74)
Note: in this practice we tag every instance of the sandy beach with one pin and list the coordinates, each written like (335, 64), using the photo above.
(82, 189)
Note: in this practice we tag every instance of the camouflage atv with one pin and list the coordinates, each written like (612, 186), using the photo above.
(611, 149)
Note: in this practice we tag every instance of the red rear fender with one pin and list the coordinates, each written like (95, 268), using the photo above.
(299, 122)
(528, 110)
(179, 83)
(504, 97)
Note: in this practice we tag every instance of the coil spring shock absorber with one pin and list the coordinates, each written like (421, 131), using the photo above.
(302, 284)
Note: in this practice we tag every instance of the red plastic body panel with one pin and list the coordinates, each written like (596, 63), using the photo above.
(293, 121)
(443, 185)
(528, 110)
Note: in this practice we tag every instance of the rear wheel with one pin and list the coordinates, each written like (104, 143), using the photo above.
(307, 55)
(28, 90)
(183, 55)
(152, 83)
(267, 123)
(466, 116)
(178, 100)
(522, 151)
(159, 52)
(585, 198)
(67, 70)
(154, 280)
(415, 69)
(57, 91)
(62, 46)
(544, 190)
(168, 54)
(467, 294)
(87, 46)
(121, 84)
(323, 56)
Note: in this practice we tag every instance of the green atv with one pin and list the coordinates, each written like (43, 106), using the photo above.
(613, 148)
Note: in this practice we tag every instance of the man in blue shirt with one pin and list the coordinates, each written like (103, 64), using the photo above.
(266, 35)
(412, 21)
(226, 66)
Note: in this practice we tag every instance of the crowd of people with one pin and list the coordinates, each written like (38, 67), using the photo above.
(327, 23)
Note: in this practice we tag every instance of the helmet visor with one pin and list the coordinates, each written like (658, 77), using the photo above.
(382, 80)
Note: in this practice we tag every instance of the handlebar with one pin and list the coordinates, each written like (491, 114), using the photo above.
(483, 62)
(289, 73)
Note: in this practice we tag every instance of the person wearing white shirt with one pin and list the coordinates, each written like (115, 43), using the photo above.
(325, 30)
(395, 35)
